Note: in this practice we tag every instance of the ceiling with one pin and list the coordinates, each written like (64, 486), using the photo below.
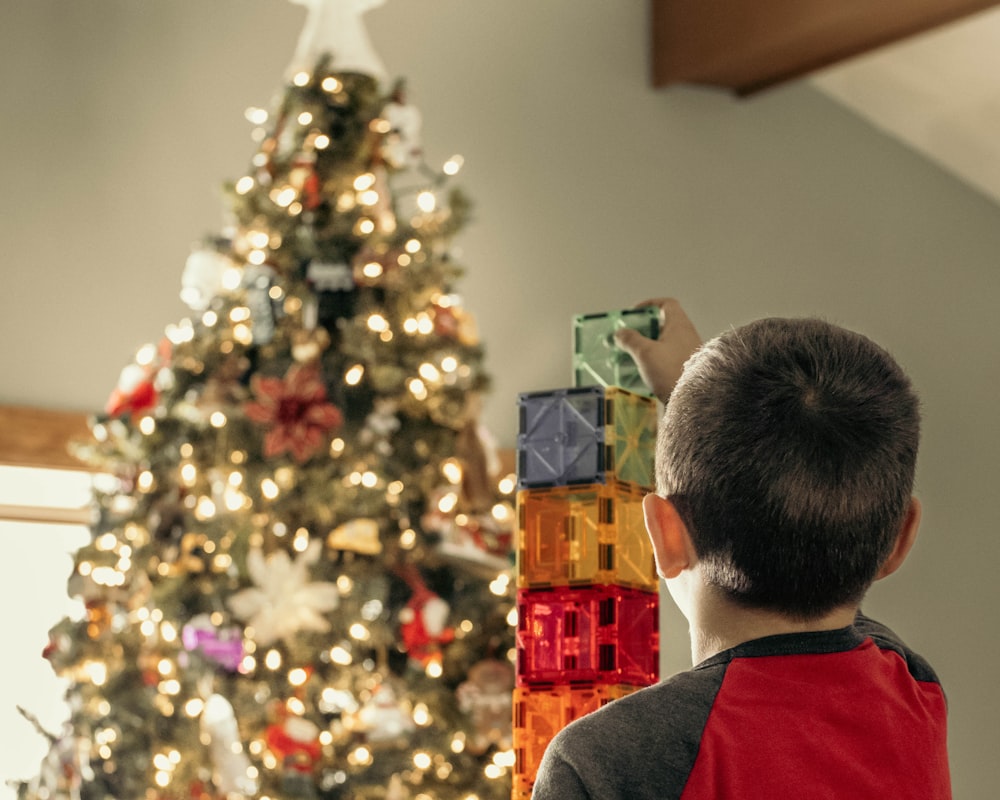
(937, 92)
(923, 71)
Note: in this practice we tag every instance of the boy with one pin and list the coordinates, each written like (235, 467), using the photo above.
(784, 474)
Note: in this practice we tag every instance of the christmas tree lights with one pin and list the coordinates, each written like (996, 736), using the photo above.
(298, 583)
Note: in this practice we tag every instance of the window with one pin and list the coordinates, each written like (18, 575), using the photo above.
(42, 518)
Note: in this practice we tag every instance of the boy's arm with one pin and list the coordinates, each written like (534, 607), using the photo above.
(661, 360)
(557, 780)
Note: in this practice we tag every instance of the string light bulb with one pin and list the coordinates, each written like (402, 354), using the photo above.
(452, 471)
(429, 372)
(283, 196)
(422, 760)
(354, 375)
(417, 388)
(256, 116)
(269, 489)
(426, 201)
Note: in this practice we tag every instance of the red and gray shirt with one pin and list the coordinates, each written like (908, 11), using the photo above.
(826, 715)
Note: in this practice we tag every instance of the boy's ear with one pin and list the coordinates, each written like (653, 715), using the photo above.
(904, 540)
(672, 544)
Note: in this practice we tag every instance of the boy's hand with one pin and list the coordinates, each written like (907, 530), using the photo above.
(661, 360)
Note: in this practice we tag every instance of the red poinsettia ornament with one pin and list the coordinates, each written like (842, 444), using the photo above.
(295, 409)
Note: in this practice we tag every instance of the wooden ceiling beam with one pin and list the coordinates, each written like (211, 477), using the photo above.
(749, 45)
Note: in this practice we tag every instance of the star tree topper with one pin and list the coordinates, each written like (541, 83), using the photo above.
(335, 27)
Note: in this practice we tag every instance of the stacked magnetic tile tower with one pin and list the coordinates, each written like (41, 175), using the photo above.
(587, 599)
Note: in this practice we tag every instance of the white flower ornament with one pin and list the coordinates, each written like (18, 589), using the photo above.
(283, 601)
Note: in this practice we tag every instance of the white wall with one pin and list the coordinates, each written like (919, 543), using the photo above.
(593, 191)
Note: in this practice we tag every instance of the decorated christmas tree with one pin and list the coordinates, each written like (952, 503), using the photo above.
(297, 584)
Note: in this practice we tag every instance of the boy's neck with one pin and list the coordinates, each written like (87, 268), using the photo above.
(718, 624)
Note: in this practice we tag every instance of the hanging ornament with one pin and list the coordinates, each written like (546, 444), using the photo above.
(283, 601)
(221, 645)
(256, 282)
(476, 541)
(231, 769)
(133, 393)
(324, 276)
(401, 147)
(423, 622)
(380, 426)
(294, 741)
(335, 28)
(303, 177)
(486, 696)
(381, 211)
(381, 718)
(308, 344)
(334, 287)
(283, 141)
(295, 410)
(139, 384)
(359, 535)
(476, 448)
(454, 322)
(202, 278)
(483, 541)
(59, 648)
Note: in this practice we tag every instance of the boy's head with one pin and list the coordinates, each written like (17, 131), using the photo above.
(788, 448)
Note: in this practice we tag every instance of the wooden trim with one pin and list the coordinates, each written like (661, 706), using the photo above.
(38, 437)
(58, 516)
(748, 45)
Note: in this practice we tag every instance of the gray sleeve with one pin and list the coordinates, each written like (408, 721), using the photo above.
(557, 780)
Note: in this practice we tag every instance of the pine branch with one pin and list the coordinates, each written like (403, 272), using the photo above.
(36, 724)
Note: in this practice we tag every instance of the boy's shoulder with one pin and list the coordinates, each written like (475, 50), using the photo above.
(886, 639)
(608, 750)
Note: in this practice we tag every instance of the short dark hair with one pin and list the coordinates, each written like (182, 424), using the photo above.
(789, 448)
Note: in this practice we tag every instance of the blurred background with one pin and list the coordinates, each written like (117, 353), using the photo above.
(592, 191)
